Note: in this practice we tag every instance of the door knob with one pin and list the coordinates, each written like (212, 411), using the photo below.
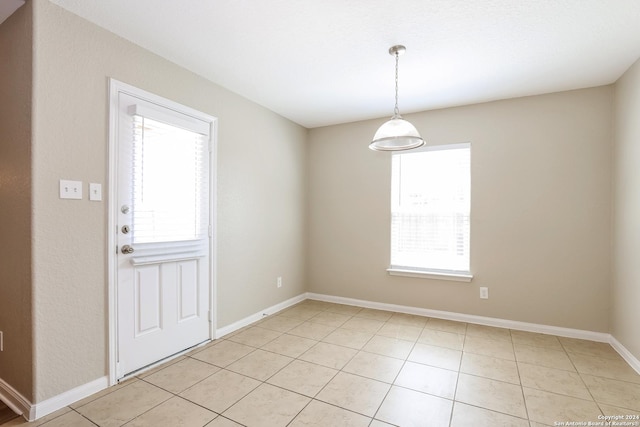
(126, 249)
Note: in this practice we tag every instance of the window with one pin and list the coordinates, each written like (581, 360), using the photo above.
(164, 178)
(430, 212)
(170, 184)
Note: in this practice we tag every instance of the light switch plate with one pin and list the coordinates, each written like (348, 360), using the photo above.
(70, 189)
(95, 192)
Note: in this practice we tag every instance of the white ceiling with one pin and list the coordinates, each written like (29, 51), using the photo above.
(323, 62)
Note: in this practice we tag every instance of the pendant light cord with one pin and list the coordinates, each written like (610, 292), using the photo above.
(396, 111)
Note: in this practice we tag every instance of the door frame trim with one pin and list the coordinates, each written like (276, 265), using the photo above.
(115, 87)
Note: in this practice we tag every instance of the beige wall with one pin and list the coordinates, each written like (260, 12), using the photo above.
(261, 194)
(15, 201)
(625, 318)
(540, 227)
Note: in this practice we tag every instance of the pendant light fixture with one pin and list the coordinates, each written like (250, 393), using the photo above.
(396, 134)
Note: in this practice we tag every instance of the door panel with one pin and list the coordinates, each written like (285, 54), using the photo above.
(188, 290)
(148, 304)
(162, 233)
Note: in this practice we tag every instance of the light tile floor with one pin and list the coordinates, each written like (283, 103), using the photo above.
(322, 364)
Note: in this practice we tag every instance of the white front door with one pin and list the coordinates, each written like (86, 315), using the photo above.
(163, 230)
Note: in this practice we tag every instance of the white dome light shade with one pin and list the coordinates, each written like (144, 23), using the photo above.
(395, 135)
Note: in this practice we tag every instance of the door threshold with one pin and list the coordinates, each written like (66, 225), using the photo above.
(162, 361)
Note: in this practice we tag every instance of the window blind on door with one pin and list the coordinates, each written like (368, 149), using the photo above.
(170, 183)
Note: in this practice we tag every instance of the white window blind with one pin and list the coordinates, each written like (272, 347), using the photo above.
(170, 182)
(430, 209)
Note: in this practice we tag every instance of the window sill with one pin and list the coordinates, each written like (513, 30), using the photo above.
(456, 277)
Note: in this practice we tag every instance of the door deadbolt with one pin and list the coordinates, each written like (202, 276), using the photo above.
(125, 229)
(125, 209)
(126, 249)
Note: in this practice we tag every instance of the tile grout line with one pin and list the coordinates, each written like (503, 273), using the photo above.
(339, 371)
(564, 348)
(311, 399)
(515, 358)
(404, 363)
(144, 379)
(150, 409)
(86, 418)
(455, 391)
(490, 379)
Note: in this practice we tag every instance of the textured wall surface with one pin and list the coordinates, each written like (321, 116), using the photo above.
(540, 211)
(625, 323)
(261, 198)
(15, 201)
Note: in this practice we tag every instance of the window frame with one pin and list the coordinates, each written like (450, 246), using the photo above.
(431, 273)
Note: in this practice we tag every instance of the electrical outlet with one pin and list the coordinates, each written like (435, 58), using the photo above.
(279, 282)
(484, 293)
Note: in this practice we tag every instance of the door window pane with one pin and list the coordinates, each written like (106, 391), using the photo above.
(170, 183)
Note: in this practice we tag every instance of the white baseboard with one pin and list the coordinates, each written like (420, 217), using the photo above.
(14, 400)
(469, 318)
(68, 397)
(220, 332)
(626, 354)
(21, 405)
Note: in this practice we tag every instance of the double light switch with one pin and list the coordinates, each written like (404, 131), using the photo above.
(73, 190)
